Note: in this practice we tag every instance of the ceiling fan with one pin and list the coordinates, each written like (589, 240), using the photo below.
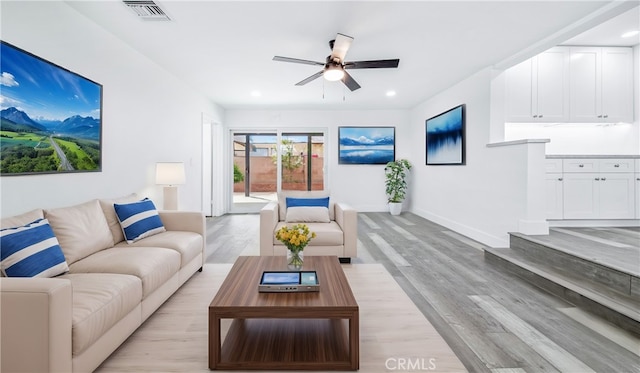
(335, 67)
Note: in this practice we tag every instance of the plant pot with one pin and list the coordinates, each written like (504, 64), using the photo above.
(295, 260)
(395, 208)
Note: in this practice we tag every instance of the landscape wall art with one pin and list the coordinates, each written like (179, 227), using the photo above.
(445, 137)
(366, 145)
(50, 118)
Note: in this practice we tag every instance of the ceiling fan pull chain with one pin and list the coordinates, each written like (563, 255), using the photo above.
(323, 89)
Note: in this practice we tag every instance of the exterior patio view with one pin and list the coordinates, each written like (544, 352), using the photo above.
(302, 163)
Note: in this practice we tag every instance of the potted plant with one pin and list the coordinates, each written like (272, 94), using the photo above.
(396, 184)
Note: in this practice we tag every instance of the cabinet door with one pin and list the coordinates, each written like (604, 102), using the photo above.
(585, 84)
(616, 196)
(551, 96)
(553, 189)
(617, 85)
(579, 195)
(637, 177)
(519, 92)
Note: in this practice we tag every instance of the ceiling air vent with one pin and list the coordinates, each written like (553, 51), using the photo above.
(147, 10)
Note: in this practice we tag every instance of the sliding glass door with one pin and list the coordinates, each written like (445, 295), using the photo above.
(302, 161)
(265, 163)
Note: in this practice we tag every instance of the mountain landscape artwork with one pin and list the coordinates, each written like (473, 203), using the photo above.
(366, 145)
(50, 117)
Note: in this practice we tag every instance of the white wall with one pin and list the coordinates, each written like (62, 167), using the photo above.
(486, 198)
(362, 186)
(148, 114)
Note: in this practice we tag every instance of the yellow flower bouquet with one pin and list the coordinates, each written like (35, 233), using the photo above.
(295, 238)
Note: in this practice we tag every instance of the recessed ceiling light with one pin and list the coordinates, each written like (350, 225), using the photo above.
(391, 93)
(629, 34)
(256, 93)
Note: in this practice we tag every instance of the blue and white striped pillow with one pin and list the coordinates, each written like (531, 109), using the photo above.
(138, 220)
(31, 251)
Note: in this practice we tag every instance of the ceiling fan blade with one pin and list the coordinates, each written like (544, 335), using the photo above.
(341, 46)
(312, 77)
(375, 64)
(297, 60)
(350, 82)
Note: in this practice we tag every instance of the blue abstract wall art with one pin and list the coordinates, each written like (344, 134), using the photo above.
(445, 137)
(366, 145)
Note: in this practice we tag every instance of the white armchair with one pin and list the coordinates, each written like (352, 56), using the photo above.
(337, 236)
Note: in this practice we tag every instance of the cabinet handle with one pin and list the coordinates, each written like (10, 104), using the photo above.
(535, 116)
(638, 179)
(599, 116)
(604, 179)
(560, 179)
(606, 116)
(616, 165)
(597, 179)
(580, 165)
(540, 116)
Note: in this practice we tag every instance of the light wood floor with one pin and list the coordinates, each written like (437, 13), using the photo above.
(493, 320)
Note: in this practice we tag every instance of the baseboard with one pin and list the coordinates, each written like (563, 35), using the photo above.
(473, 233)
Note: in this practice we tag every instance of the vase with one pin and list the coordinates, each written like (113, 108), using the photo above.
(395, 208)
(295, 259)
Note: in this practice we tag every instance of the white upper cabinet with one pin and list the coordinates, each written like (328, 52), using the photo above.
(601, 84)
(537, 89)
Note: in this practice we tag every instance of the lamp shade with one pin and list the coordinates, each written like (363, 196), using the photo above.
(170, 173)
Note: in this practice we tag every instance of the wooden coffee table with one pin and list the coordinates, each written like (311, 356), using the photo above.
(273, 331)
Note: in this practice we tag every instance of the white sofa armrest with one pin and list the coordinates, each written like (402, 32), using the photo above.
(269, 217)
(347, 219)
(35, 321)
(188, 221)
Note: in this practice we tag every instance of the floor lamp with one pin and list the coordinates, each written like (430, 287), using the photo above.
(170, 174)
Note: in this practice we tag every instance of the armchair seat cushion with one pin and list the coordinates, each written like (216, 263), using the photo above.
(327, 234)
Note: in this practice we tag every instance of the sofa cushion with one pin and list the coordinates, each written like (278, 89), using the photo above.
(31, 250)
(327, 234)
(153, 265)
(188, 244)
(282, 200)
(138, 219)
(307, 214)
(100, 300)
(81, 229)
(22, 219)
(112, 218)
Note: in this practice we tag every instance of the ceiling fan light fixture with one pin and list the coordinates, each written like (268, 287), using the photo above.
(333, 73)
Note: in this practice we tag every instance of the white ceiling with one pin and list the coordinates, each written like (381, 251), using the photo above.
(225, 48)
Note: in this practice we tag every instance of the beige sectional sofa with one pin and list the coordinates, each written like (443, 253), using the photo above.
(336, 234)
(74, 321)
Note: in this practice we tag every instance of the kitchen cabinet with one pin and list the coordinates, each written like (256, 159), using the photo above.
(554, 195)
(637, 177)
(601, 84)
(598, 189)
(537, 89)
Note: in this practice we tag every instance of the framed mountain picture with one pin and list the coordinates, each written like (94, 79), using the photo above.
(366, 145)
(51, 118)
